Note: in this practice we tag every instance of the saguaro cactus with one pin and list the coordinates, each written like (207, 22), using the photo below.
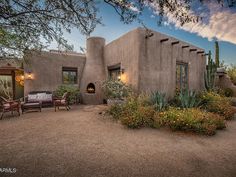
(217, 59)
(210, 73)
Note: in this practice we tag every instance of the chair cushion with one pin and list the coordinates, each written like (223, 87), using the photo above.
(29, 105)
(6, 105)
(32, 97)
(41, 96)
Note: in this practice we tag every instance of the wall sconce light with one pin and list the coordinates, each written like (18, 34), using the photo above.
(29, 76)
(122, 71)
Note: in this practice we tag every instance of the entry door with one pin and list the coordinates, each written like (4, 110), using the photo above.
(6, 86)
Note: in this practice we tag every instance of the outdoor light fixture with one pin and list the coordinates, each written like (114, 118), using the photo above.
(122, 71)
(29, 76)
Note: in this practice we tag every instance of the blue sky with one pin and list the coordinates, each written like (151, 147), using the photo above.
(113, 28)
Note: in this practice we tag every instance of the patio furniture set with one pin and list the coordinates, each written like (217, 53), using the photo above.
(34, 101)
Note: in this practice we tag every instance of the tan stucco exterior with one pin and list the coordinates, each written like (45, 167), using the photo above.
(148, 62)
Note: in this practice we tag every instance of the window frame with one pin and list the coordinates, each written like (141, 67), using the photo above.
(70, 69)
(114, 68)
(183, 66)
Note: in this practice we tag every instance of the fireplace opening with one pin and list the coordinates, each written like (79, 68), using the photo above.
(91, 88)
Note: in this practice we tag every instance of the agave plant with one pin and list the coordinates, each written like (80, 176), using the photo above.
(158, 100)
(188, 99)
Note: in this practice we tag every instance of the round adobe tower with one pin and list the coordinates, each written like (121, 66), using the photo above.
(93, 73)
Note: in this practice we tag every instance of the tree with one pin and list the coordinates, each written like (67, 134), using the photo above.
(217, 59)
(24, 23)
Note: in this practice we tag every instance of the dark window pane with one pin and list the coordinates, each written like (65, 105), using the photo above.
(69, 75)
(114, 73)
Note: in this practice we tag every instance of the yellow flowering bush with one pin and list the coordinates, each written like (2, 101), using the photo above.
(191, 119)
(219, 104)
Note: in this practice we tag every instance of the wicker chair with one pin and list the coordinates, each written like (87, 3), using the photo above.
(9, 106)
(62, 102)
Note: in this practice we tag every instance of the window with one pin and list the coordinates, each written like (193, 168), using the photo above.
(181, 76)
(69, 75)
(114, 72)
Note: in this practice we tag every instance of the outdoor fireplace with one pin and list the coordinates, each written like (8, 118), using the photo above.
(91, 88)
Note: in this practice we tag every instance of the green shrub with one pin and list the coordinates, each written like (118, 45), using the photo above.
(140, 116)
(191, 119)
(219, 104)
(116, 111)
(231, 71)
(228, 92)
(134, 113)
(188, 99)
(73, 92)
(115, 89)
(158, 100)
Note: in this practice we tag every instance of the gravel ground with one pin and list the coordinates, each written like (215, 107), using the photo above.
(83, 143)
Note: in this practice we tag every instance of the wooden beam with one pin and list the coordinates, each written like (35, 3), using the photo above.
(191, 50)
(175, 42)
(164, 40)
(200, 52)
(185, 46)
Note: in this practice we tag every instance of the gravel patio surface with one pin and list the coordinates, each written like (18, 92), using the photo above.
(83, 143)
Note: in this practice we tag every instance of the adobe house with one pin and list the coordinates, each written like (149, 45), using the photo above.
(144, 59)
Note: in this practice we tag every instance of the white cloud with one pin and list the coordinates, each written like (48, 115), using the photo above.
(217, 22)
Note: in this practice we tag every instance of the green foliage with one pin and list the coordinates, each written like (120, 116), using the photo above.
(228, 92)
(217, 59)
(188, 99)
(216, 103)
(73, 92)
(116, 111)
(115, 89)
(134, 113)
(192, 120)
(158, 100)
(24, 23)
(231, 71)
(209, 75)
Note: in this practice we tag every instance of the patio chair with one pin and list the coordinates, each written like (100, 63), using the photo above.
(9, 106)
(62, 102)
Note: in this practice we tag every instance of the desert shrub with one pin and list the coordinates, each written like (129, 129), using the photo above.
(231, 71)
(116, 111)
(137, 117)
(219, 104)
(115, 89)
(191, 119)
(73, 92)
(187, 99)
(158, 100)
(134, 113)
(228, 92)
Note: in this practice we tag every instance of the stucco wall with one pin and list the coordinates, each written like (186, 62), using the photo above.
(125, 50)
(46, 68)
(157, 65)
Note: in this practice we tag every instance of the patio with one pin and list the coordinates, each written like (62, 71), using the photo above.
(81, 142)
